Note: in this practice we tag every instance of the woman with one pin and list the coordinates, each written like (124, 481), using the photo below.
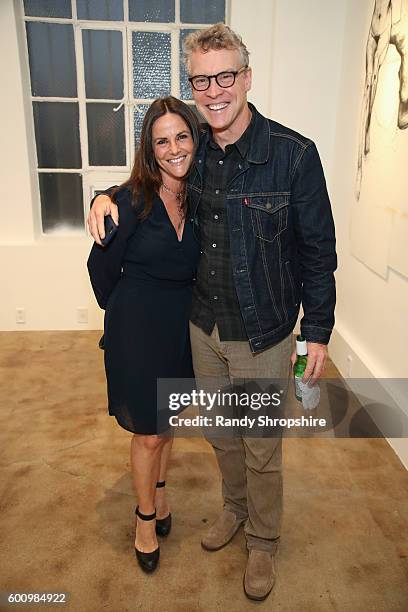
(144, 280)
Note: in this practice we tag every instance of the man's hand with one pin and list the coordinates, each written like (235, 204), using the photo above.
(101, 207)
(316, 361)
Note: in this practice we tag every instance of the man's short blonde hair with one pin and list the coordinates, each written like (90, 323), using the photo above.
(218, 36)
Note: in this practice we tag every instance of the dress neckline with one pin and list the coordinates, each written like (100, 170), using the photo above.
(179, 240)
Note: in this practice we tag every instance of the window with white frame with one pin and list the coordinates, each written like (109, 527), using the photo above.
(95, 67)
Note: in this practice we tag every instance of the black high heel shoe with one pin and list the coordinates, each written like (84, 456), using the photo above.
(163, 526)
(147, 561)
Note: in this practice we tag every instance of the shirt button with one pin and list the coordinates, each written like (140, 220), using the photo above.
(214, 245)
(215, 297)
(217, 191)
(220, 162)
(216, 217)
(212, 272)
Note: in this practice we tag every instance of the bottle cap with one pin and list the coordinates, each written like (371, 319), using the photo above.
(301, 346)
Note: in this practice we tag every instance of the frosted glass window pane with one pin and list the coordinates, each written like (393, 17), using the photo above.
(61, 201)
(210, 11)
(103, 10)
(151, 64)
(51, 54)
(103, 64)
(185, 87)
(106, 135)
(161, 11)
(48, 8)
(138, 120)
(57, 134)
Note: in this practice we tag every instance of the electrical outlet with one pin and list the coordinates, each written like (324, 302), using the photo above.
(82, 315)
(20, 315)
(349, 365)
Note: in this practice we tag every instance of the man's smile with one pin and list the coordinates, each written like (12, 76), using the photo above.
(217, 107)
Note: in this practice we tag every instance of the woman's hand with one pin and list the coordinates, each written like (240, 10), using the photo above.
(101, 207)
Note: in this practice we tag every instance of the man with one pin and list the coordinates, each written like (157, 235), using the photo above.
(258, 195)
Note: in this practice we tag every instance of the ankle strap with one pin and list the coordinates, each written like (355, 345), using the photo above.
(160, 484)
(145, 517)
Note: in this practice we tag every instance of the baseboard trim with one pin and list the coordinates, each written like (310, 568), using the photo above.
(341, 348)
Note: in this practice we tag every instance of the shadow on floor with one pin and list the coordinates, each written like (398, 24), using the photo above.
(67, 505)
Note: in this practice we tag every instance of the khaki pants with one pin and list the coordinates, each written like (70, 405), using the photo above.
(251, 467)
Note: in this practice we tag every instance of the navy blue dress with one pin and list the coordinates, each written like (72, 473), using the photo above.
(144, 280)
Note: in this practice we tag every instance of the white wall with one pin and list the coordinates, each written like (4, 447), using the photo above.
(46, 275)
(286, 78)
(17, 223)
(255, 22)
(371, 313)
(306, 66)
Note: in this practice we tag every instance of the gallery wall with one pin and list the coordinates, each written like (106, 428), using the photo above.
(306, 66)
(46, 275)
(371, 333)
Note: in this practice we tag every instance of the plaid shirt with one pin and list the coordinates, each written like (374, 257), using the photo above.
(215, 299)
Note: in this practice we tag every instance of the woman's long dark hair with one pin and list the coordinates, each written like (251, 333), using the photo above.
(145, 178)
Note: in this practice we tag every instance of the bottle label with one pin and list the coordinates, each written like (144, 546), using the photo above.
(298, 387)
(306, 393)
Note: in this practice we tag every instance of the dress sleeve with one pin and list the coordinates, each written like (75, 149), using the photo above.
(105, 263)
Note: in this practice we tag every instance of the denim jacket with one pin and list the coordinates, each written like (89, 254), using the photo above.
(281, 232)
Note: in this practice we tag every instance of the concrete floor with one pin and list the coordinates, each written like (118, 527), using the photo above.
(66, 504)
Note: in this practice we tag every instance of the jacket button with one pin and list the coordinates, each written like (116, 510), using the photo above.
(268, 205)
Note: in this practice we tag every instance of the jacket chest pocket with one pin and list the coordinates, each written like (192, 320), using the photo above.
(269, 215)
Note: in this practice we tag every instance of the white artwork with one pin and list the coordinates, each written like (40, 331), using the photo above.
(379, 236)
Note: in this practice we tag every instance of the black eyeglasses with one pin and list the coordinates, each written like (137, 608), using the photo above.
(202, 82)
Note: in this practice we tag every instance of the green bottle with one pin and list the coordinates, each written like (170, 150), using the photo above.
(300, 366)
(305, 392)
